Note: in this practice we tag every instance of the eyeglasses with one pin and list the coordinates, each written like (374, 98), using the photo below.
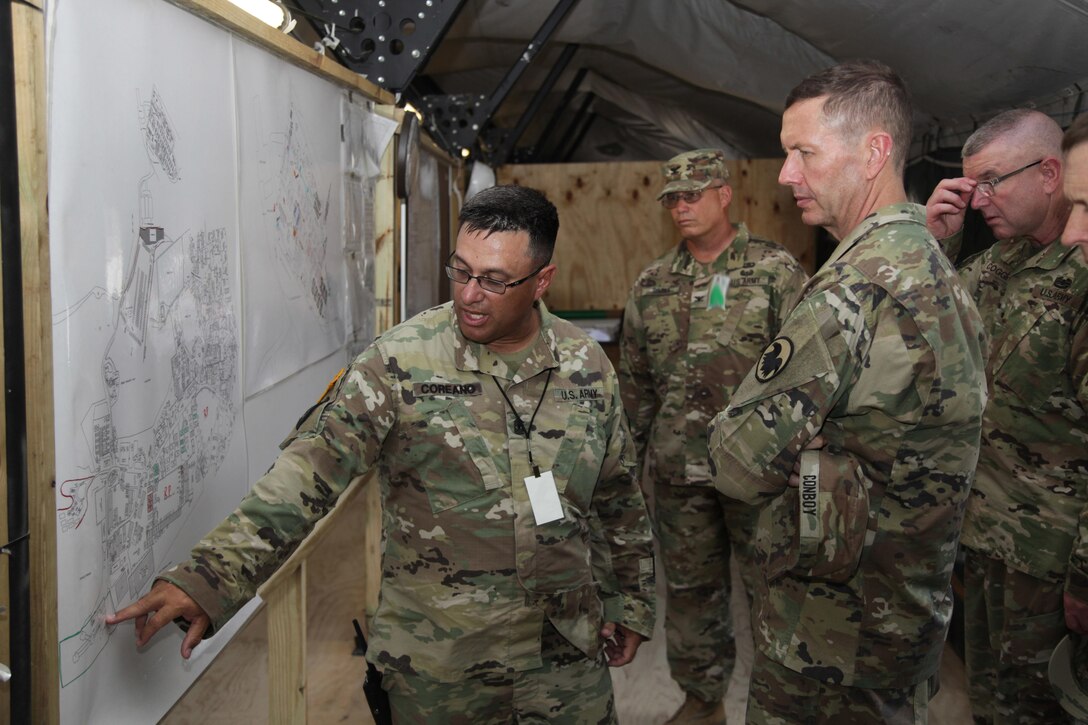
(988, 187)
(462, 276)
(670, 200)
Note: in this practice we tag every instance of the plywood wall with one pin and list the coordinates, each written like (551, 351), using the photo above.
(611, 226)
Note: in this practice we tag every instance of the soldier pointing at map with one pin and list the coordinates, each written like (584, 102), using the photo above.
(516, 551)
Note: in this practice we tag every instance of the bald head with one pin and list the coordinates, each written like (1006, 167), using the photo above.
(1035, 134)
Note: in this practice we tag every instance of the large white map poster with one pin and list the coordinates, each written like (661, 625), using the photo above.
(292, 253)
(150, 451)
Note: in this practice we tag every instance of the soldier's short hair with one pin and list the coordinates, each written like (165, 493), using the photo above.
(1076, 134)
(994, 128)
(862, 95)
(514, 208)
(1029, 131)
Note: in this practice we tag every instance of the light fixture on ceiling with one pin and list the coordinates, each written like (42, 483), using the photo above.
(268, 12)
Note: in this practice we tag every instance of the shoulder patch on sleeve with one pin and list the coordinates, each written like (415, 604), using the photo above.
(774, 359)
(332, 384)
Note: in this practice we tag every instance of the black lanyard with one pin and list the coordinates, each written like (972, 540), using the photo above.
(519, 426)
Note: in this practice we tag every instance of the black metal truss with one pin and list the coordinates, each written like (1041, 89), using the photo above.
(386, 41)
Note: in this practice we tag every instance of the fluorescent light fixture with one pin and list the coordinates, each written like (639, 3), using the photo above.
(266, 11)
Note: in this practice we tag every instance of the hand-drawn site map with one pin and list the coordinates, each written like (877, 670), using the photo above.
(292, 257)
(148, 390)
(198, 282)
(170, 393)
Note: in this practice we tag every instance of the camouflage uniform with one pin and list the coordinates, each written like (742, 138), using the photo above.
(569, 689)
(883, 356)
(779, 697)
(680, 361)
(1026, 528)
(468, 580)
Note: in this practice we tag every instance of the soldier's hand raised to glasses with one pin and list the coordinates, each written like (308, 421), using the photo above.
(158, 608)
(947, 206)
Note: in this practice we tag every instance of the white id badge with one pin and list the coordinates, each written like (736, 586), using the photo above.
(544, 498)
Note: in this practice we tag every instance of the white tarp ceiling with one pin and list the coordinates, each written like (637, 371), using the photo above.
(668, 75)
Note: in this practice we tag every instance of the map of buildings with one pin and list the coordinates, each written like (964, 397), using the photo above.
(167, 363)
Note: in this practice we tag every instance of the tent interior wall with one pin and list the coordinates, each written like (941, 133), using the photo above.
(644, 80)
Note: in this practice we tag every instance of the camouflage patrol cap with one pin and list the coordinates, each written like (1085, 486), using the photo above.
(1068, 673)
(694, 171)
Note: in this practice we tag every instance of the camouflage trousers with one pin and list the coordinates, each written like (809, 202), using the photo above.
(779, 696)
(1012, 622)
(569, 688)
(695, 547)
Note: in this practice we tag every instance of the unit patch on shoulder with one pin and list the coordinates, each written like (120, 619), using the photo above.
(774, 359)
(331, 385)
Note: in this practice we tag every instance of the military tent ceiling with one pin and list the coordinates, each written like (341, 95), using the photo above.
(667, 75)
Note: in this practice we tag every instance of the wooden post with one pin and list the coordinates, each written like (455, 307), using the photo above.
(287, 649)
(28, 29)
(387, 236)
(5, 619)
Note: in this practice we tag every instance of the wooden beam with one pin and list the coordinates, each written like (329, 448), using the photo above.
(387, 237)
(5, 597)
(287, 649)
(238, 21)
(386, 294)
(28, 28)
(285, 573)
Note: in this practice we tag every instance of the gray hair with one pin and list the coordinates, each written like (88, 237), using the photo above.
(1032, 130)
(861, 95)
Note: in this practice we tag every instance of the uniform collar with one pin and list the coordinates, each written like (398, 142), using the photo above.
(890, 214)
(1024, 253)
(685, 264)
(473, 357)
